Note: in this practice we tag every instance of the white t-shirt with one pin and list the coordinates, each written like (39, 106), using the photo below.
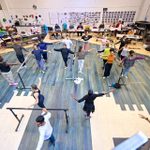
(45, 131)
(68, 42)
(124, 52)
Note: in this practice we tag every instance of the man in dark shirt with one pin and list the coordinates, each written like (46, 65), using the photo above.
(89, 101)
(79, 27)
(43, 46)
(65, 53)
(123, 41)
(5, 70)
(18, 50)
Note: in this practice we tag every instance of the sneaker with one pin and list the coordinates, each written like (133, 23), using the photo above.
(126, 77)
(66, 68)
(87, 117)
(13, 84)
(23, 67)
(104, 77)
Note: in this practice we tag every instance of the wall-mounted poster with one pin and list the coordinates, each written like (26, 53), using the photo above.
(88, 18)
(126, 16)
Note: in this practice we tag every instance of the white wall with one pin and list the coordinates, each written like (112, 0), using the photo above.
(45, 7)
(144, 12)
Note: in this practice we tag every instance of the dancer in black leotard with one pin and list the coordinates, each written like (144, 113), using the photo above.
(39, 98)
(89, 101)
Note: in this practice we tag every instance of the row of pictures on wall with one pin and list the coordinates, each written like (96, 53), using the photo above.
(126, 16)
(95, 17)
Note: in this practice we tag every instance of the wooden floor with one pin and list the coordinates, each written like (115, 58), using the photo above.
(57, 90)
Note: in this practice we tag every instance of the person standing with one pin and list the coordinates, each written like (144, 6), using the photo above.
(109, 63)
(123, 42)
(86, 38)
(38, 56)
(106, 53)
(89, 101)
(5, 70)
(43, 47)
(65, 53)
(124, 52)
(129, 61)
(81, 56)
(19, 52)
(45, 130)
(79, 28)
(68, 42)
(39, 98)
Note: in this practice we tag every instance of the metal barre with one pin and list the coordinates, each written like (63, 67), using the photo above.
(52, 109)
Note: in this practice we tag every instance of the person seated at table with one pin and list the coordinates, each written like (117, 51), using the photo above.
(71, 26)
(80, 27)
(119, 25)
(64, 27)
(101, 26)
(94, 26)
(44, 29)
(131, 32)
(34, 30)
(57, 27)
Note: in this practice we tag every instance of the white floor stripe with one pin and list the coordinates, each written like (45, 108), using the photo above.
(109, 121)
(9, 139)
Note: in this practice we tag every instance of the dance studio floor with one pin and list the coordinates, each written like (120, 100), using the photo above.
(133, 98)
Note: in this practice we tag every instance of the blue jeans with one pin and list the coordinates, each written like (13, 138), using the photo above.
(41, 64)
(126, 71)
(52, 139)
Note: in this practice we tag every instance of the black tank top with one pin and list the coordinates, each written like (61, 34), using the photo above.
(40, 96)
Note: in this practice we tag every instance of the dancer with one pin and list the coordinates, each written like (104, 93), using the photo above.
(19, 53)
(86, 38)
(129, 61)
(68, 42)
(105, 54)
(43, 47)
(39, 98)
(65, 53)
(89, 101)
(123, 41)
(81, 56)
(38, 56)
(5, 70)
(45, 130)
(124, 52)
(109, 63)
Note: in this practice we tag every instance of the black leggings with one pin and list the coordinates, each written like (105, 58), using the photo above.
(21, 59)
(65, 61)
(107, 69)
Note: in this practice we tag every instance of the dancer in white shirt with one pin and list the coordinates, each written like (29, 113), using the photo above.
(45, 130)
(68, 42)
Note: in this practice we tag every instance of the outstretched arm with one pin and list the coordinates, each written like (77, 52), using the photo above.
(144, 117)
(104, 93)
(80, 100)
(59, 50)
(71, 52)
(12, 64)
(39, 84)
